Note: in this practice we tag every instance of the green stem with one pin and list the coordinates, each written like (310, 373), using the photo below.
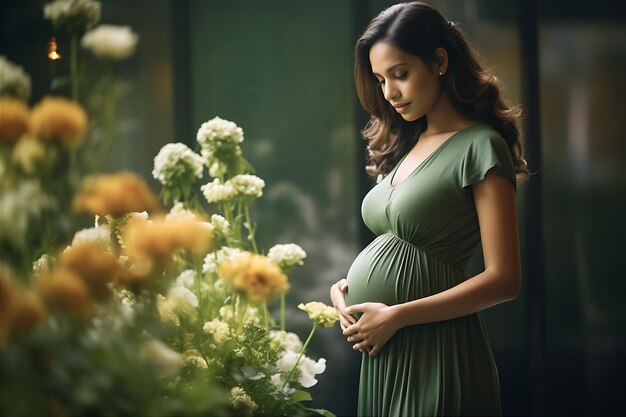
(251, 229)
(282, 310)
(295, 366)
(74, 65)
(266, 315)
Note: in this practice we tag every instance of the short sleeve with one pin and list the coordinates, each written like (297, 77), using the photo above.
(487, 153)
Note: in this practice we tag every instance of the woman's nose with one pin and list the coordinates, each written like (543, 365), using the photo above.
(390, 92)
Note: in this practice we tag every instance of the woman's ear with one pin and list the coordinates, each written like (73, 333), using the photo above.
(441, 61)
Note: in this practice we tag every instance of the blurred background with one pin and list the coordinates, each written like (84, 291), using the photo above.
(282, 70)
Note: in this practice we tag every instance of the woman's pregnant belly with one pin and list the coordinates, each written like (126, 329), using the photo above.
(392, 271)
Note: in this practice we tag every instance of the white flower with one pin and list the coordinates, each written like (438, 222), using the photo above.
(20, 208)
(29, 152)
(175, 162)
(158, 353)
(215, 191)
(100, 236)
(43, 264)
(214, 259)
(277, 380)
(73, 14)
(250, 316)
(218, 329)
(247, 186)
(307, 366)
(242, 402)
(13, 80)
(287, 255)
(218, 134)
(286, 340)
(220, 224)
(179, 301)
(186, 279)
(110, 41)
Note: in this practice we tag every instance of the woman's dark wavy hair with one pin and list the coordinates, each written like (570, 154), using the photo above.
(418, 29)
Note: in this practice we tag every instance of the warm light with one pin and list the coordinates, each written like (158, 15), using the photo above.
(52, 50)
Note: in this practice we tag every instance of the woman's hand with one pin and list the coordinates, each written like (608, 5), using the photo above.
(374, 328)
(338, 298)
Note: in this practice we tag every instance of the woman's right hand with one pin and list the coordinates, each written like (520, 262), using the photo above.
(338, 298)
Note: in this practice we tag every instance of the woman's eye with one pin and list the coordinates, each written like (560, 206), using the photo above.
(402, 76)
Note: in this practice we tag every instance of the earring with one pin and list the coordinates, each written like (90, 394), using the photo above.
(440, 73)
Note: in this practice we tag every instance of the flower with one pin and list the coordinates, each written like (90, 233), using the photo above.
(250, 315)
(176, 163)
(219, 329)
(59, 120)
(160, 238)
(287, 255)
(243, 404)
(307, 366)
(215, 191)
(218, 135)
(115, 195)
(29, 153)
(213, 260)
(286, 340)
(247, 186)
(320, 313)
(99, 236)
(20, 311)
(220, 225)
(186, 279)
(14, 81)
(20, 208)
(13, 119)
(97, 267)
(63, 290)
(43, 264)
(73, 15)
(255, 275)
(178, 302)
(158, 353)
(110, 41)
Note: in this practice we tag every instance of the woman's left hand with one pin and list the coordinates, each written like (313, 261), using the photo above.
(374, 328)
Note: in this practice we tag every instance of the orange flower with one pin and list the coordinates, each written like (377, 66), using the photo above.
(255, 275)
(57, 119)
(13, 120)
(160, 238)
(115, 195)
(64, 291)
(19, 311)
(97, 268)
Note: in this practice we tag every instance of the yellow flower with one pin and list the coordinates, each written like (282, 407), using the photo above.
(320, 313)
(64, 291)
(160, 238)
(59, 120)
(115, 195)
(13, 120)
(255, 275)
(29, 153)
(96, 266)
(20, 311)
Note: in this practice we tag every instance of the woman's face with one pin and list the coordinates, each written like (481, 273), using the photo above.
(407, 83)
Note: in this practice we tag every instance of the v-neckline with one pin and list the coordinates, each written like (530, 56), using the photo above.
(431, 155)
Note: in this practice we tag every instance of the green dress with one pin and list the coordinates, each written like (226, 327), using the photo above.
(427, 230)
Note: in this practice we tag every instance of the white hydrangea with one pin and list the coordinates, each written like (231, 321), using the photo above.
(186, 279)
(178, 211)
(286, 255)
(215, 191)
(73, 14)
(100, 236)
(219, 329)
(247, 186)
(217, 134)
(214, 259)
(110, 41)
(307, 366)
(220, 224)
(286, 340)
(13, 80)
(176, 162)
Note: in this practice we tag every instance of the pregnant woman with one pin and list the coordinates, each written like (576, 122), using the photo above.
(447, 152)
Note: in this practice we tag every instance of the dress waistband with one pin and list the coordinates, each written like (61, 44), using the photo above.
(396, 237)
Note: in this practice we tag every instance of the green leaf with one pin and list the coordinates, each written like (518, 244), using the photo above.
(322, 412)
(59, 82)
(300, 395)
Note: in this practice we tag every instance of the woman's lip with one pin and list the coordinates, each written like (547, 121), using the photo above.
(400, 107)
